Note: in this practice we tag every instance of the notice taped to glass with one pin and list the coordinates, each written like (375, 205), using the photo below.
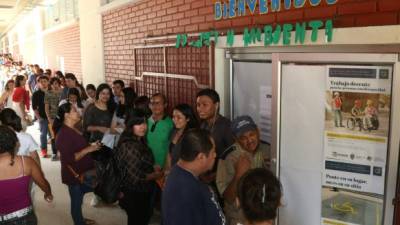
(358, 103)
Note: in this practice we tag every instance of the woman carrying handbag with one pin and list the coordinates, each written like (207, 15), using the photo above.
(77, 167)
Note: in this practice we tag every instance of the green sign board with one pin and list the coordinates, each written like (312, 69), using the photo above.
(268, 35)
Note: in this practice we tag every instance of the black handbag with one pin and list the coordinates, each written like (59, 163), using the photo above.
(103, 154)
(110, 178)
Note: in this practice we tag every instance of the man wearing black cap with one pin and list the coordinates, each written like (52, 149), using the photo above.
(247, 153)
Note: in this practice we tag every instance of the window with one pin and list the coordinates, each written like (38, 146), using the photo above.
(60, 12)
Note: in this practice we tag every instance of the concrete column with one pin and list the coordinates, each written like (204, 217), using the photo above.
(91, 38)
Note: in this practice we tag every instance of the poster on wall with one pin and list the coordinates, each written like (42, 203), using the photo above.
(355, 143)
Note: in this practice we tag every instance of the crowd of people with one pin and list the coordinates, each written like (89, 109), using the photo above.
(194, 165)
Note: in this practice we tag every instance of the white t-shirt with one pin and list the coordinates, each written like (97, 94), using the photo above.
(27, 144)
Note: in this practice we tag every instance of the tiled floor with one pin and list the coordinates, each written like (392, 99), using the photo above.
(58, 212)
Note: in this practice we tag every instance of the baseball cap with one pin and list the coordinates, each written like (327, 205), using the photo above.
(242, 124)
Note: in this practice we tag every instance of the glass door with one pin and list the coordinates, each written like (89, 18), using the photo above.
(334, 135)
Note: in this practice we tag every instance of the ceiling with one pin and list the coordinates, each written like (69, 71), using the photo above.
(8, 11)
(11, 9)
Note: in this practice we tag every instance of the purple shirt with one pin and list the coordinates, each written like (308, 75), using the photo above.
(14, 194)
(69, 142)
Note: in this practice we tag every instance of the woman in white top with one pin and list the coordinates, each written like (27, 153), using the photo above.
(27, 145)
(6, 97)
(125, 105)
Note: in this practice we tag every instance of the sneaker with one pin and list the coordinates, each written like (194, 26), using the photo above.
(44, 153)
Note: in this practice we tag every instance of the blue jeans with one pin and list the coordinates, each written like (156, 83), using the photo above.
(44, 131)
(76, 193)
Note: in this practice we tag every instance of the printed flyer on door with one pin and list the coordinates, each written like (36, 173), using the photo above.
(355, 143)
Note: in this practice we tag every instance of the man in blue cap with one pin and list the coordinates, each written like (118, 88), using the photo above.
(246, 153)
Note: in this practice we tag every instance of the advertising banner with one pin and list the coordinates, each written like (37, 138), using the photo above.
(355, 142)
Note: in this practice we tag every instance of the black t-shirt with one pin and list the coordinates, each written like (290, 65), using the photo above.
(38, 103)
(186, 200)
(96, 117)
(221, 133)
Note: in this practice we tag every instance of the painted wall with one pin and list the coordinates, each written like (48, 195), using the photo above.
(64, 46)
(91, 39)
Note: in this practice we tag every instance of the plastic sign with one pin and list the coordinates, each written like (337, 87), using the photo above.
(267, 35)
(234, 8)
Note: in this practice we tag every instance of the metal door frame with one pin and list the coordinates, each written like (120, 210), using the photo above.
(346, 58)
(307, 57)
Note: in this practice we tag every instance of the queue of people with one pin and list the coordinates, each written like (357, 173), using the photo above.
(195, 165)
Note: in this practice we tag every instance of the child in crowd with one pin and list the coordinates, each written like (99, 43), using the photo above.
(91, 93)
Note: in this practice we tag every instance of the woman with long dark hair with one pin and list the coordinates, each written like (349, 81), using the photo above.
(97, 119)
(6, 97)
(77, 167)
(126, 104)
(15, 178)
(20, 100)
(98, 116)
(136, 158)
(184, 118)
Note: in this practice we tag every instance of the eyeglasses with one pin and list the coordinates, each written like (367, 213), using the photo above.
(153, 127)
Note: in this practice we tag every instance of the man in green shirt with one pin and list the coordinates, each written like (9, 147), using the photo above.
(159, 127)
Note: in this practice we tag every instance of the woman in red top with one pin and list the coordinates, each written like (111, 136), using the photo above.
(20, 100)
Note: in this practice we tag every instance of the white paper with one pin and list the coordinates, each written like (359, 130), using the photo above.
(108, 140)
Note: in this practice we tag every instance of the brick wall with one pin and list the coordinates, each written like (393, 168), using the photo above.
(64, 43)
(127, 26)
